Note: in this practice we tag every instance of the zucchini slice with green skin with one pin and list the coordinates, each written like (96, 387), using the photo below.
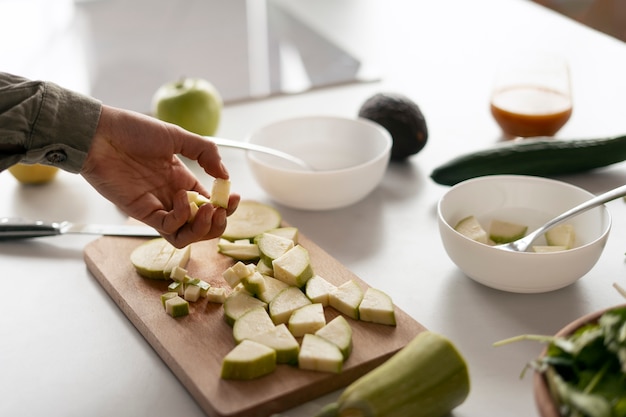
(426, 378)
(542, 157)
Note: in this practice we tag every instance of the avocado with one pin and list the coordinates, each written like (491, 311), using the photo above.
(402, 118)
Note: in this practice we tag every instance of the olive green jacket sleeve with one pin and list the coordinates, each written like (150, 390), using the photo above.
(40, 122)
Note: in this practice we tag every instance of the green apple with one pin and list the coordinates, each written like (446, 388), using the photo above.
(191, 103)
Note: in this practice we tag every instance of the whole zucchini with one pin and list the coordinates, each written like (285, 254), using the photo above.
(426, 378)
(540, 156)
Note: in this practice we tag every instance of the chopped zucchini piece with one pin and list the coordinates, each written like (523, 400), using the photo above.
(282, 341)
(285, 303)
(318, 289)
(177, 306)
(561, 235)
(273, 286)
(248, 360)
(252, 323)
(220, 192)
(166, 296)
(471, 228)
(216, 295)
(192, 293)
(377, 307)
(238, 303)
(502, 231)
(288, 232)
(272, 246)
(157, 258)
(318, 354)
(547, 248)
(346, 299)
(293, 267)
(307, 319)
(339, 332)
(251, 219)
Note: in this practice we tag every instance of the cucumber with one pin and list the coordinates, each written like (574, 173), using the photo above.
(542, 157)
(426, 378)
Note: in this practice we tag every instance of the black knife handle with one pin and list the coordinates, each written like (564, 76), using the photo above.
(16, 228)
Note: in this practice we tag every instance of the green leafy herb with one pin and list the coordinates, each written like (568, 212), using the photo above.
(586, 371)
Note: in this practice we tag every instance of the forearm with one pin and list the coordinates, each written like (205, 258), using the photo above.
(41, 122)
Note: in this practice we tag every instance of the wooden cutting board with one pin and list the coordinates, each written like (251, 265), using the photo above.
(193, 346)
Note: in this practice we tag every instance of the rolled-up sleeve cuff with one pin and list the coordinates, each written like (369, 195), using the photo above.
(64, 128)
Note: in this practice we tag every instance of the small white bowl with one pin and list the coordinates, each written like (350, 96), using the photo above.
(531, 201)
(350, 157)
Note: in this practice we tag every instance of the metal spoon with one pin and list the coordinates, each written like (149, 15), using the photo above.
(229, 143)
(521, 245)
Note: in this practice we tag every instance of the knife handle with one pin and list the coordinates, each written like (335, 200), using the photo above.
(16, 228)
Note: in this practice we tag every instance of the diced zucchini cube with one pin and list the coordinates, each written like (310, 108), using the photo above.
(166, 296)
(192, 293)
(216, 295)
(177, 306)
(220, 192)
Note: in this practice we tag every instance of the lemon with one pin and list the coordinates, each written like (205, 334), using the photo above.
(33, 174)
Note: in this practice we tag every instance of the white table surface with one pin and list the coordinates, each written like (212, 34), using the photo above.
(67, 350)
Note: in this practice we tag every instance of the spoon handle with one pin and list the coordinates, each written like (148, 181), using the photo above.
(229, 143)
(589, 204)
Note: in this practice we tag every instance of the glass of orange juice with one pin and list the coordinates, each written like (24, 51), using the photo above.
(532, 95)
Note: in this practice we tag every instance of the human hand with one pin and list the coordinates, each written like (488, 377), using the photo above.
(133, 163)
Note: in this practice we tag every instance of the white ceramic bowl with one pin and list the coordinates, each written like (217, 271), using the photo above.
(527, 200)
(350, 157)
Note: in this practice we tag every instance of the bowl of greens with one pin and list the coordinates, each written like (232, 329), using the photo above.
(582, 371)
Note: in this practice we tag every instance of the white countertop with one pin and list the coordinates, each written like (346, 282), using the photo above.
(67, 350)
